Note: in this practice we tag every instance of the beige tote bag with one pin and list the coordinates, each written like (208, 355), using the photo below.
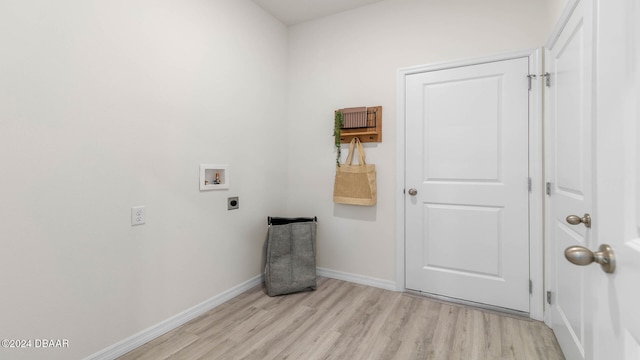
(355, 184)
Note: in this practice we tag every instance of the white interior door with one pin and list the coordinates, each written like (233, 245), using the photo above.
(595, 315)
(616, 297)
(466, 211)
(570, 176)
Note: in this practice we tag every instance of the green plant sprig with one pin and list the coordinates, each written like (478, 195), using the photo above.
(337, 125)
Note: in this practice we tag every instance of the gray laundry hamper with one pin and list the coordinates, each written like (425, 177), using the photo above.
(291, 255)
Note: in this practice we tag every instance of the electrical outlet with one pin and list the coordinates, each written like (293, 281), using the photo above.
(137, 215)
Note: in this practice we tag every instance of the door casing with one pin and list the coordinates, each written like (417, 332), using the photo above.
(536, 196)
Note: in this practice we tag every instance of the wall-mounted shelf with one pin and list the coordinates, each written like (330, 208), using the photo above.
(364, 123)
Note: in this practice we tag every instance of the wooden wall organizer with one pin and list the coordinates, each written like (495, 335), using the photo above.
(364, 123)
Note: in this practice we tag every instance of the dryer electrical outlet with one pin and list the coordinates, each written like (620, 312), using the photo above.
(233, 203)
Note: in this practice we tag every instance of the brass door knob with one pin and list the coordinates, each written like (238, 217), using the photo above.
(576, 220)
(580, 255)
(413, 192)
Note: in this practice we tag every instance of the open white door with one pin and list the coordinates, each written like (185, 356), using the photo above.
(570, 176)
(616, 297)
(593, 129)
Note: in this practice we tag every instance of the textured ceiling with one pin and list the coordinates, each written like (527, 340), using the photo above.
(292, 12)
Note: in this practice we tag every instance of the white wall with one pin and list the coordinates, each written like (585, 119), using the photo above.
(556, 9)
(351, 59)
(106, 105)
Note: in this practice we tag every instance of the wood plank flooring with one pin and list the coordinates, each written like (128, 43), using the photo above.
(342, 320)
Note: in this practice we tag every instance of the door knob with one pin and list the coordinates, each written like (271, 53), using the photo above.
(413, 192)
(580, 255)
(575, 220)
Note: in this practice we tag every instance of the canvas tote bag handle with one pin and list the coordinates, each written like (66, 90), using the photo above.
(355, 143)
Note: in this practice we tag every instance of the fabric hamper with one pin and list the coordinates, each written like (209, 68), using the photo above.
(291, 255)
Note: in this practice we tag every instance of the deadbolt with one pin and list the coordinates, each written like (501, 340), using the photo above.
(580, 255)
(413, 192)
(575, 220)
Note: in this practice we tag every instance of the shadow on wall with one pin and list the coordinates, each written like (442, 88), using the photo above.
(355, 212)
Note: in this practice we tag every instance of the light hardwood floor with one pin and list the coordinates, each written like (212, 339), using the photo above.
(342, 320)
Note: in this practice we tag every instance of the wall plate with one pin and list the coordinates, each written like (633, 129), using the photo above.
(233, 203)
(214, 176)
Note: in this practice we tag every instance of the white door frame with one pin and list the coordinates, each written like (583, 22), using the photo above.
(536, 196)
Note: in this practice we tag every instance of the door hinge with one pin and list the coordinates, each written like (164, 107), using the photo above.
(530, 183)
(547, 78)
(530, 286)
(531, 77)
(548, 188)
(549, 297)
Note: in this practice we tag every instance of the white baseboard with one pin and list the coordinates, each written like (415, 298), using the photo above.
(358, 279)
(116, 350)
(173, 322)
